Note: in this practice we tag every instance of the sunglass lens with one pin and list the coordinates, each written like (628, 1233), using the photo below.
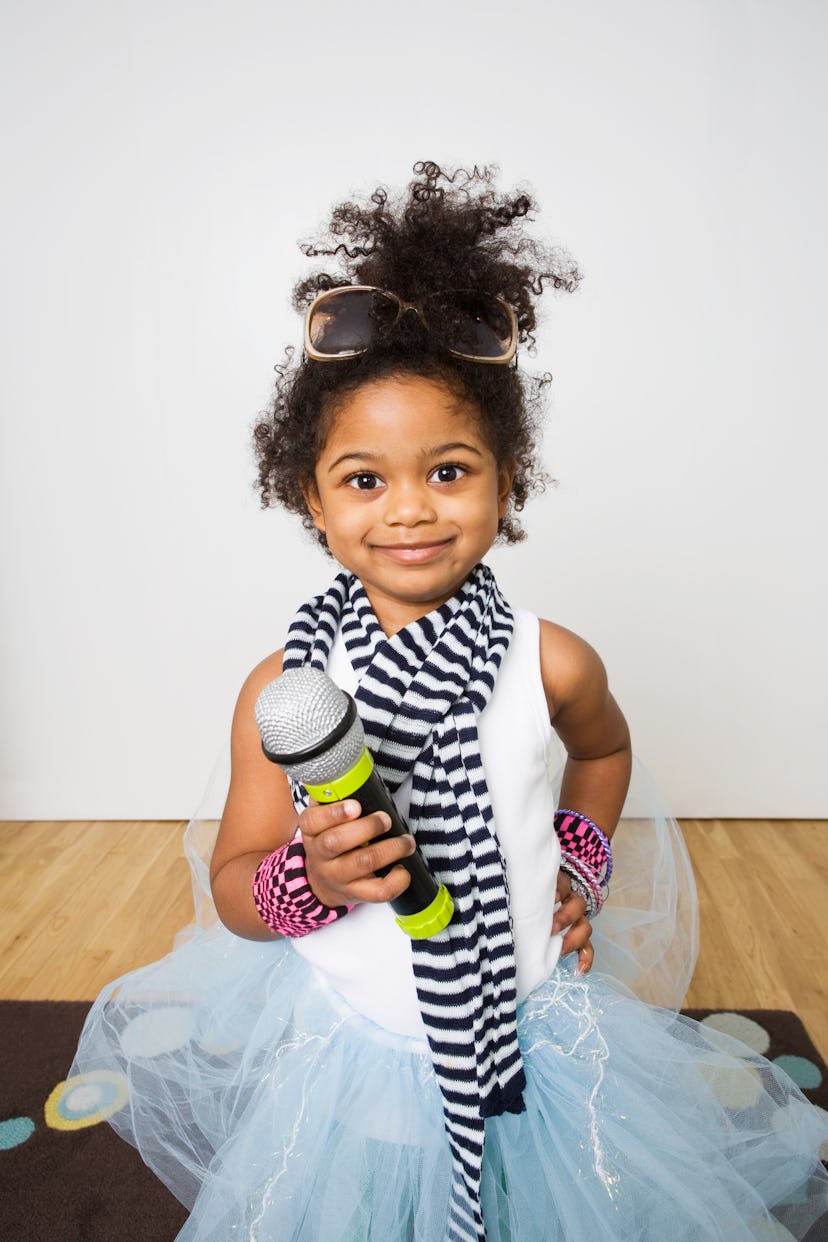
(348, 321)
(474, 324)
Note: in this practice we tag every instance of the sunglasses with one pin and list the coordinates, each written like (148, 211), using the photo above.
(345, 322)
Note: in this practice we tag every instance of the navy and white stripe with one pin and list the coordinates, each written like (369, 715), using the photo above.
(420, 693)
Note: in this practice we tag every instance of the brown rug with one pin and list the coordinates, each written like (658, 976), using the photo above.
(86, 1185)
(83, 1185)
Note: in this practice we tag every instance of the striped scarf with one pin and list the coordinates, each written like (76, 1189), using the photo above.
(420, 693)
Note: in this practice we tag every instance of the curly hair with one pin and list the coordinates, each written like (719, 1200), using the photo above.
(450, 230)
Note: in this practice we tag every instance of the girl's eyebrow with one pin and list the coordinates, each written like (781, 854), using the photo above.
(360, 455)
(357, 455)
(450, 448)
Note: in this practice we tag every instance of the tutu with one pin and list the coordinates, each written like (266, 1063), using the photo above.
(278, 1114)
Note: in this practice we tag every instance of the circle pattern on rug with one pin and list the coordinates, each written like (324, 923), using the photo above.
(739, 1027)
(14, 1131)
(157, 1031)
(823, 1151)
(217, 1046)
(805, 1074)
(771, 1231)
(793, 1119)
(735, 1086)
(86, 1100)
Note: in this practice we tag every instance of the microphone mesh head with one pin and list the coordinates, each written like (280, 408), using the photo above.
(299, 710)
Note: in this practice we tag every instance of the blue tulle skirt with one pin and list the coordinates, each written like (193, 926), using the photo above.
(278, 1114)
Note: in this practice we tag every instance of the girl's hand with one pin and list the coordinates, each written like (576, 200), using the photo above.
(571, 915)
(341, 855)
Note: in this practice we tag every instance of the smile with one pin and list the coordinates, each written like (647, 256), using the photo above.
(412, 553)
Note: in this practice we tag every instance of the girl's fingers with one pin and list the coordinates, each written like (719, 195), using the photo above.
(586, 956)
(364, 861)
(571, 910)
(337, 828)
(378, 889)
(342, 854)
(337, 883)
(577, 937)
(321, 817)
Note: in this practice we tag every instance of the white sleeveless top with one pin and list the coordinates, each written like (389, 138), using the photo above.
(365, 956)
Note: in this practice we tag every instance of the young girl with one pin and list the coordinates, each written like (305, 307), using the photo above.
(306, 1070)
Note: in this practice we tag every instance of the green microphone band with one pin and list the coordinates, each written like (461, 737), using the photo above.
(345, 785)
(430, 921)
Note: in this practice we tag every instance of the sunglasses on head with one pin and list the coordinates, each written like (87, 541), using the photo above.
(345, 322)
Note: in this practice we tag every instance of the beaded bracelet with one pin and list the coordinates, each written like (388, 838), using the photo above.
(585, 882)
(580, 888)
(285, 901)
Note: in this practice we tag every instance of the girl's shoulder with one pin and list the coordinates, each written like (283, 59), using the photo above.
(570, 668)
(259, 677)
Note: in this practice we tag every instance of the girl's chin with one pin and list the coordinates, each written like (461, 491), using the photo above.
(413, 593)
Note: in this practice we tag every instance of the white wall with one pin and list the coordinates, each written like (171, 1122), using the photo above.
(160, 163)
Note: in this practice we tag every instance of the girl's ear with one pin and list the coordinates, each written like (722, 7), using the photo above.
(311, 494)
(505, 479)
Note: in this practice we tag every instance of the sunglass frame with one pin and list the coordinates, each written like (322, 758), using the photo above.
(402, 307)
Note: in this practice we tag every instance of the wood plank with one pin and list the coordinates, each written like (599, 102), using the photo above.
(764, 917)
(109, 900)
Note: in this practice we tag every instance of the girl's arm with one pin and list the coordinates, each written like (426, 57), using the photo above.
(589, 723)
(259, 817)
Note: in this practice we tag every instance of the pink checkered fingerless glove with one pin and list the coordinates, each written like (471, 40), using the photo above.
(285, 901)
(586, 857)
(579, 836)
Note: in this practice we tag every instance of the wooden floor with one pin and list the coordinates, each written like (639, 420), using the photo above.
(82, 902)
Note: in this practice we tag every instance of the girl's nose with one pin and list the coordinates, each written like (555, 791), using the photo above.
(409, 505)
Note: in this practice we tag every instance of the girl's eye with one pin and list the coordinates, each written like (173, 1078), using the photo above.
(364, 482)
(448, 473)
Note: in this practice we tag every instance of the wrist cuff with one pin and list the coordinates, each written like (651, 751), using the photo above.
(586, 857)
(582, 839)
(284, 899)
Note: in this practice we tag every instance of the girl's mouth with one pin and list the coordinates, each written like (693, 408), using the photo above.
(412, 553)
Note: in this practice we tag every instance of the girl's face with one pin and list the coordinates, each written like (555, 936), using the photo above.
(408, 494)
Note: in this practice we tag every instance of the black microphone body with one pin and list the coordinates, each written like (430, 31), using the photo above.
(311, 729)
(372, 796)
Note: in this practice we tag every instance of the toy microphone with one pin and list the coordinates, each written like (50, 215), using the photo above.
(311, 729)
